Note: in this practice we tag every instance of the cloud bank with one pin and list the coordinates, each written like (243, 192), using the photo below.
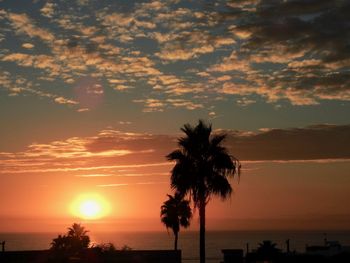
(116, 153)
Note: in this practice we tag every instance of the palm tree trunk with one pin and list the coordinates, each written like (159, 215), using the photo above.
(202, 231)
(176, 237)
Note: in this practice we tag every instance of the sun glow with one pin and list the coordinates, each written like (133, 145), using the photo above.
(90, 206)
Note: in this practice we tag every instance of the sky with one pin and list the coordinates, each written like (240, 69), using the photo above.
(93, 95)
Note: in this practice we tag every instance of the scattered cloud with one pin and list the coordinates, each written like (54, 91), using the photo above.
(22, 23)
(27, 45)
(245, 102)
(125, 122)
(83, 110)
(291, 48)
(162, 53)
(180, 103)
(152, 105)
(48, 9)
(61, 100)
(156, 105)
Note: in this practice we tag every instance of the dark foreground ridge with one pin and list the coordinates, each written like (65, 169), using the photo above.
(236, 256)
(94, 255)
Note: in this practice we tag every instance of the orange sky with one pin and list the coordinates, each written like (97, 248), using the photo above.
(93, 94)
(293, 195)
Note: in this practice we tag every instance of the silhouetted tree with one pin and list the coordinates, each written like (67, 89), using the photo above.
(60, 243)
(176, 212)
(71, 244)
(267, 250)
(79, 236)
(202, 169)
(106, 247)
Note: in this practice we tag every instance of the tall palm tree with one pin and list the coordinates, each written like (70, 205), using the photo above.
(176, 212)
(202, 169)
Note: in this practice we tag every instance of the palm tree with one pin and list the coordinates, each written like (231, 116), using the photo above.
(78, 234)
(72, 244)
(176, 212)
(267, 250)
(76, 230)
(202, 169)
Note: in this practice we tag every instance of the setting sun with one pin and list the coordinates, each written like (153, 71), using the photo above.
(90, 209)
(90, 206)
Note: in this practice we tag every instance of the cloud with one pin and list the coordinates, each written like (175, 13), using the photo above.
(45, 62)
(94, 175)
(181, 103)
(156, 105)
(174, 53)
(245, 102)
(62, 100)
(108, 152)
(20, 58)
(27, 45)
(21, 85)
(24, 24)
(231, 63)
(151, 105)
(294, 51)
(48, 9)
(188, 45)
(83, 109)
(118, 20)
(308, 39)
(112, 185)
(122, 87)
(115, 153)
(125, 122)
(310, 143)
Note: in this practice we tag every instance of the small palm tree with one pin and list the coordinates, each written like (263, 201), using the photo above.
(76, 230)
(176, 212)
(202, 169)
(267, 250)
(78, 234)
(71, 244)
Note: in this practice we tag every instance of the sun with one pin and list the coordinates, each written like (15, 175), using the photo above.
(90, 207)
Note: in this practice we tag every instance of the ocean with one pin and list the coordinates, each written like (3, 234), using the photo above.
(188, 241)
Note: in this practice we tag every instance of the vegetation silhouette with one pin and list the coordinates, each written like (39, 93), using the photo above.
(105, 247)
(71, 244)
(202, 169)
(176, 212)
(267, 250)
